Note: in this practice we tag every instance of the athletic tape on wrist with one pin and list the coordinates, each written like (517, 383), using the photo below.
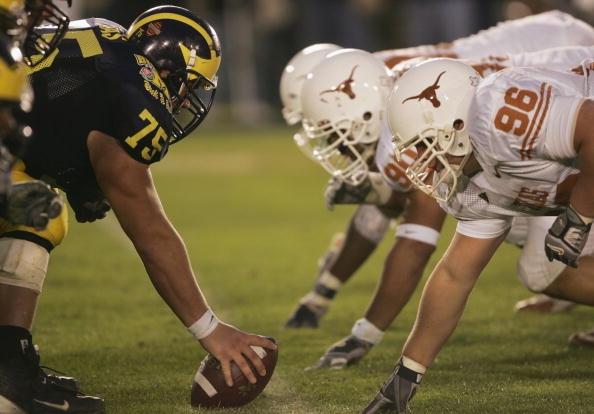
(418, 232)
(204, 326)
(586, 220)
(365, 330)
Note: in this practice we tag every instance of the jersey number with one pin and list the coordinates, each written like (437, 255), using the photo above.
(513, 117)
(148, 152)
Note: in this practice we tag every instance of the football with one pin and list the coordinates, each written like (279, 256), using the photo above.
(209, 389)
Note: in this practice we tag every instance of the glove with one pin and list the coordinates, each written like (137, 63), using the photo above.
(89, 206)
(373, 190)
(33, 204)
(566, 237)
(340, 192)
(345, 352)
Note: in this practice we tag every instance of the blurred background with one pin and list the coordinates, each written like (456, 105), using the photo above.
(260, 36)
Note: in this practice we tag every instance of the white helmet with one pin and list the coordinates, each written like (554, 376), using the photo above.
(294, 75)
(429, 108)
(344, 110)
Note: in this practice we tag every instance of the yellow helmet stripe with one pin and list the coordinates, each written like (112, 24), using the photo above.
(206, 67)
(179, 18)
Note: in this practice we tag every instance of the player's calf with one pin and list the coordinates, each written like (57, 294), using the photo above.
(314, 305)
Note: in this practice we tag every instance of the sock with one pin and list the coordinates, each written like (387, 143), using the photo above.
(366, 331)
(411, 370)
(327, 285)
(14, 341)
(323, 293)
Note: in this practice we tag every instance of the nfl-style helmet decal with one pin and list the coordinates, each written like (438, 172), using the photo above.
(186, 52)
(346, 86)
(429, 93)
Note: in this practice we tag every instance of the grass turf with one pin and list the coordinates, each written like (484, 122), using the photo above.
(249, 207)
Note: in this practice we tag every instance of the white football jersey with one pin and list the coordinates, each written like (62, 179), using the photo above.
(532, 33)
(542, 31)
(522, 131)
(564, 58)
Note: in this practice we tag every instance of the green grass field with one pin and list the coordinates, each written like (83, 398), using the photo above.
(250, 209)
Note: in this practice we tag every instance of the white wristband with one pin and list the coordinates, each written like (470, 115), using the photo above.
(365, 330)
(204, 326)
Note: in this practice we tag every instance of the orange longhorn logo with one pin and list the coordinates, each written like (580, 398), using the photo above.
(346, 86)
(429, 93)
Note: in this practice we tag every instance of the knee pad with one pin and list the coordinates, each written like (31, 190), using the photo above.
(371, 223)
(23, 263)
(418, 232)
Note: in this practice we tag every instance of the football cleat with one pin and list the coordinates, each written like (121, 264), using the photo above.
(26, 388)
(543, 304)
(582, 339)
(51, 396)
(343, 353)
(396, 393)
(305, 316)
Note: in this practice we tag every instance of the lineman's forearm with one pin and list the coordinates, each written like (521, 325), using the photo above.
(169, 269)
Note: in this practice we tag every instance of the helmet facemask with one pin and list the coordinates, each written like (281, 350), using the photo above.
(40, 44)
(343, 147)
(431, 171)
(192, 96)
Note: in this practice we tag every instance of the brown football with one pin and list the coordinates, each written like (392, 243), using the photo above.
(209, 389)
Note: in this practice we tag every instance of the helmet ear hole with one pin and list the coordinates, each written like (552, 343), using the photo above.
(458, 125)
(367, 116)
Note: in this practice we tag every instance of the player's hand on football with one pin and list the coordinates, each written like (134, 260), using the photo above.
(228, 344)
(567, 237)
(33, 204)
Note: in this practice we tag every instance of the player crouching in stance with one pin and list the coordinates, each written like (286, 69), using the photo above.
(491, 149)
(150, 86)
(368, 225)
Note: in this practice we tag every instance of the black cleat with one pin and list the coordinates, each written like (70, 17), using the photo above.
(396, 393)
(26, 388)
(57, 396)
(304, 317)
(343, 353)
(15, 386)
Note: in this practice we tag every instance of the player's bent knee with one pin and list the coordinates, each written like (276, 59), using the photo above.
(57, 229)
(418, 232)
(49, 238)
(536, 272)
(23, 263)
(371, 223)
